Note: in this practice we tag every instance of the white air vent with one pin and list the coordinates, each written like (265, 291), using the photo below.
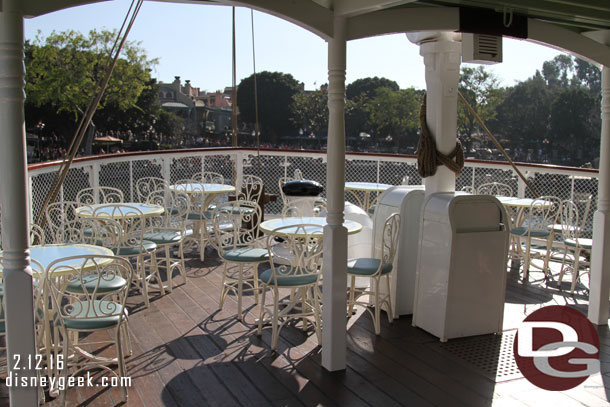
(481, 49)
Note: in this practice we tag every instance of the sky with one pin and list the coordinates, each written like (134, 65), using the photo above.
(194, 42)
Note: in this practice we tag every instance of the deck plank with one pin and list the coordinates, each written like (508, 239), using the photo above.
(187, 352)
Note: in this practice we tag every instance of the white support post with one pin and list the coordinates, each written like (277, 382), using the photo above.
(600, 255)
(17, 274)
(521, 185)
(335, 234)
(166, 168)
(131, 194)
(442, 57)
(239, 171)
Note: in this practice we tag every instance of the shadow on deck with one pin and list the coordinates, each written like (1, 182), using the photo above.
(186, 352)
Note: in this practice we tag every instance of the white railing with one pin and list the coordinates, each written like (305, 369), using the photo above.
(123, 171)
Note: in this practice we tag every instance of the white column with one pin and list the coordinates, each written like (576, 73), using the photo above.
(600, 255)
(17, 274)
(442, 56)
(335, 235)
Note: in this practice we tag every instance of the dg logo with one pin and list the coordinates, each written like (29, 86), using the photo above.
(557, 348)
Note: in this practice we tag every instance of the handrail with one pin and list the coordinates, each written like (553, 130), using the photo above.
(292, 152)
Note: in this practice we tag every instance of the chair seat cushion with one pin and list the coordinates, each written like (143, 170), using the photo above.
(207, 215)
(558, 228)
(523, 231)
(246, 255)
(147, 247)
(366, 266)
(89, 282)
(164, 237)
(288, 278)
(95, 315)
(238, 210)
(580, 242)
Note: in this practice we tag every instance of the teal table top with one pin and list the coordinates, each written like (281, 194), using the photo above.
(46, 254)
(521, 202)
(120, 210)
(367, 186)
(269, 226)
(207, 188)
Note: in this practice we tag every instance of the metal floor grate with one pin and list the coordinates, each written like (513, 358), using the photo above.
(490, 355)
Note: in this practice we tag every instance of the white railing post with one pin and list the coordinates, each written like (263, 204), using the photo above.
(521, 185)
(131, 180)
(166, 169)
(95, 179)
(239, 170)
(378, 169)
(17, 274)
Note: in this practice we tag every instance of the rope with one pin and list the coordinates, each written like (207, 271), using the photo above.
(86, 118)
(428, 157)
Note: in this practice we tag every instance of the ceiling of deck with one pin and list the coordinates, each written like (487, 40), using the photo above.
(576, 15)
(567, 24)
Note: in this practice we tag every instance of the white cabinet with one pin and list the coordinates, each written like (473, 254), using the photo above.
(407, 200)
(461, 272)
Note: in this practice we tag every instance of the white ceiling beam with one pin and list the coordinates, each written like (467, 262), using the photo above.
(568, 41)
(348, 8)
(403, 20)
(35, 8)
(304, 13)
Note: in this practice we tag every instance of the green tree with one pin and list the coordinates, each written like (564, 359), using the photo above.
(367, 87)
(570, 120)
(480, 88)
(589, 75)
(63, 70)
(275, 93)
(357, 109)
(523, 115)
(394, 116)
(169, 124)
(309, 110)
(557, 71)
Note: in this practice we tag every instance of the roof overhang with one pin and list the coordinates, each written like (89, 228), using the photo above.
(579, 27)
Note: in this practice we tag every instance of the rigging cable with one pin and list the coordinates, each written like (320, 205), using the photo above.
(86, 118)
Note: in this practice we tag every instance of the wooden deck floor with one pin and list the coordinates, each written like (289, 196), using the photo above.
(186, 352)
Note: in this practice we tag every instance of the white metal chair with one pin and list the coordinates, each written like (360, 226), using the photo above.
(376, 269)
(93, 307)
(495, 188)
(282, 180)
(534, 234)
(37, 234)
(251, 188)
(304, 207)
(59, 214)
(470, 189)
(121, 228)
(573, 245)
(99, 195)
(208, 178)
(236, 232)
(299, 273)
(147, 185)
(169, 230)
(199, 217)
